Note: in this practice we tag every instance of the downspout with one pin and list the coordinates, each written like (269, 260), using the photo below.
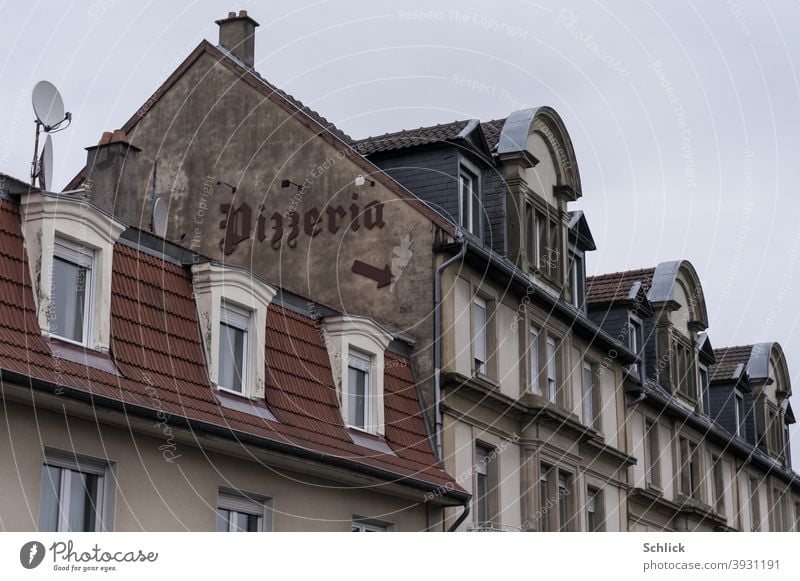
(437, 348)
(454, 527)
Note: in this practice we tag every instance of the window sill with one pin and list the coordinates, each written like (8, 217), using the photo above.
(234, 400)
(369, 440)
(654, 488)
(81, 354)
(482, 377)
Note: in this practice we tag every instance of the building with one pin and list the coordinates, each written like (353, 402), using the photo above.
(708, 427)
(434, 356)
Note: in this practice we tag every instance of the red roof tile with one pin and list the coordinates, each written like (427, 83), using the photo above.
(156, 346)
(616, 286)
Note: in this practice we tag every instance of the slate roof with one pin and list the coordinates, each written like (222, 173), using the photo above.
(728, 359)
(616, 286)
(156, 348)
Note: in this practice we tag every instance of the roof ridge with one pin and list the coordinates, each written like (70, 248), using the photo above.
(410, 131)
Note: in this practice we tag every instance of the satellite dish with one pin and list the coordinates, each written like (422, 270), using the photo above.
(46, 165)
(160, 218)
(47, 104)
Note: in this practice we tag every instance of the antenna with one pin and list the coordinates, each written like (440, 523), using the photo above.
(45, 172)
(48, 106)
(160, 218)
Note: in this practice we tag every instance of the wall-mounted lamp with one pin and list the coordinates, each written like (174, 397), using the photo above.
(361, 180)
(227, 185)
(287, 183)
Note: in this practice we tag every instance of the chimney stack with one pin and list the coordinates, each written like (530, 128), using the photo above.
(112, 173)
(237, 35)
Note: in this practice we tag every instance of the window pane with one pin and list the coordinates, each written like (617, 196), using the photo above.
(49, 499)
(223, 520)
(534, 356)
(357, 401)
(231, 357)
(479, 322)
(563, 512)
(551, 369)
(466, 201)
(82, 507)
(588, 395)
(69, 293)
(476, 208)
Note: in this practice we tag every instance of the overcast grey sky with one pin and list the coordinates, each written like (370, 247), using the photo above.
(684, 115)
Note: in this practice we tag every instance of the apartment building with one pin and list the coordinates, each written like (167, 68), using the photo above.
(708, 427)
(434, 356)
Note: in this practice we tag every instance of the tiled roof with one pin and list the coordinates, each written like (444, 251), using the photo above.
(616, 286)
(409, 138)
(157, 349)
(425, 136)
(728, 359)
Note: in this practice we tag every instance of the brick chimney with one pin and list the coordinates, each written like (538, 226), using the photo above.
(237, 35)
(112, 174)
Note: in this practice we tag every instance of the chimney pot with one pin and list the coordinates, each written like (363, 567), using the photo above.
(119, 135)
(237, 36)
(105, 138)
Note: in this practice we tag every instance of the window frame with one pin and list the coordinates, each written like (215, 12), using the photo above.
(704, 387)
(480, 336)
(367, 525)
(534, 363)
(473, 223)
(718, 483)
(101, 469)
(80, 256)
(236, 317)
(244, 503)
(551, 363)
(652, 453)
(740, 414)
(690, 468)
(489, 498)
(577, 277)
(636, 332)
(365, 363)
(754, 500)
(594, 495)
(590, 395)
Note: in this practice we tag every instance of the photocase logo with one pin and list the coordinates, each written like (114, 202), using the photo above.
(31, 554)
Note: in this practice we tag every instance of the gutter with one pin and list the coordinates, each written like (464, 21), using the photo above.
(244, 437)
(437, 346)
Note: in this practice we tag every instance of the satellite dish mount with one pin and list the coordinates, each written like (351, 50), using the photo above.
(48, 106)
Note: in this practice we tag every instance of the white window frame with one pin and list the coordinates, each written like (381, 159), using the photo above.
(738, 396)
(363, 362)
(241, 319)
(704, 387)
(467, 172)
(533, 360)
(103, 470)
(552, 369)
(246, 503)
(636, 344)
(480, 337)
(362, 525)
(81, 256)
(577, 268)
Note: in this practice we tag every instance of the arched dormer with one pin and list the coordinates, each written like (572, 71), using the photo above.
(676, 288)
(769, 378)
(767, 367)
(542, 176)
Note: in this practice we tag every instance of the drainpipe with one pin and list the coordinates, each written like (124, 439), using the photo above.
(454, 527)
(437, 349)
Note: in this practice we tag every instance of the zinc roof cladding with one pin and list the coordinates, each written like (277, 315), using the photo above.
(157, 348)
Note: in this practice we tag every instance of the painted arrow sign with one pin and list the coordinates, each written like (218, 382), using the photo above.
(383, 276)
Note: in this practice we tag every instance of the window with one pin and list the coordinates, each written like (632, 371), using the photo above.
(242, 513)
(636, 344)
(755, 508)
(479, 333)
(651, 453)
(540, 240)
(594, 508)
(534, 360)
(73, 494)
(358, 390)
(72, 291)
(485, 487)
(552, 354)
(690, 469)
(367, 526)
(718, 483)
(564, 517)
(577, 274)
(705, 392)
(544, 497)
(684, 374)
(234, 329)
(469, 201)
(530, 237)
(797, 517)
(590, 409)
(739, 413)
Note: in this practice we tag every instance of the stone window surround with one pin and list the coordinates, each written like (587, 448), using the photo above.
(343, 333)
(47, 216)
(214, 283)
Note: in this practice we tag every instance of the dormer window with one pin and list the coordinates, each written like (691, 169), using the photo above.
(70, 312)
(234, 332)
(70, 248)
(232, 309)
(356, 346)
(577, 276)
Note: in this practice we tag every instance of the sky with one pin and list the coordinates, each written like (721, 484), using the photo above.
(685, 116)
